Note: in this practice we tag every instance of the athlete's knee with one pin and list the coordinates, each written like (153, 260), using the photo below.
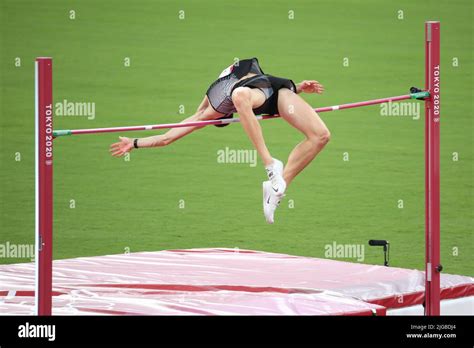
(325, 136)
(319, 139)
(241, 96)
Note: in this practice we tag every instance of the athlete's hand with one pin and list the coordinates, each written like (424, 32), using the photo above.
(310, 86)
(122, 147)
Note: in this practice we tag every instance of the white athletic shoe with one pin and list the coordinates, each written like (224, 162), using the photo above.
(270, 201)
(275, 175)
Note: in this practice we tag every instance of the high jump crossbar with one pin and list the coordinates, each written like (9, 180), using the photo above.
(58, 133)
(44, 167)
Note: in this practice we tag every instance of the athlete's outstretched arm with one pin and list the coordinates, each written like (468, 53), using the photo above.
(203, 113)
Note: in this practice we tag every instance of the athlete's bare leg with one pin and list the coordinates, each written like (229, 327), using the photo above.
(297, 112)
(245, 99)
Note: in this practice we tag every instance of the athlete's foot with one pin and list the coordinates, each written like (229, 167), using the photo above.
(270, 201)
(275, 175)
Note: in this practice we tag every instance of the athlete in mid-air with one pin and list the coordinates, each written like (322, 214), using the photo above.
(245, 89)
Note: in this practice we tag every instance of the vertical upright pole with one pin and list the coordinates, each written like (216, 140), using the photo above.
(43, 184)
(432, 171)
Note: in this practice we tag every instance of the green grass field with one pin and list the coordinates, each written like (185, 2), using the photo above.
(135, 205)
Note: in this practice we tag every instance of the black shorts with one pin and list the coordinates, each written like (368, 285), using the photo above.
(220, 92)
(269, 85)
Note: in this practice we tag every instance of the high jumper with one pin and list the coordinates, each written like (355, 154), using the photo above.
(245, 89)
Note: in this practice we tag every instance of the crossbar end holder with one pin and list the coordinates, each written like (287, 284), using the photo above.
(419, 94)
